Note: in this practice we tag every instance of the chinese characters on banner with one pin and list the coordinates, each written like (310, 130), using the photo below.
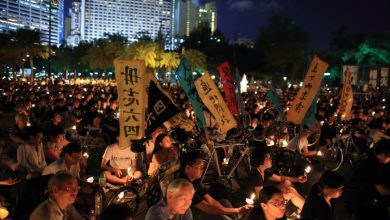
(130, 78)
(308, 91)
(346, 97)
(180, 121)
(228, 86)
(213, 100)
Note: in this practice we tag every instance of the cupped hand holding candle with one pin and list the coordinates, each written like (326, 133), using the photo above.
(129, 173)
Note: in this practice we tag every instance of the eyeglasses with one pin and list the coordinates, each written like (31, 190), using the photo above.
(72, 189)
(268, 158)
(279, 203)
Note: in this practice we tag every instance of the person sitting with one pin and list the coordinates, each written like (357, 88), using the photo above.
(68, 161)
(18, 133)
(300, 143)
(52, 125)
(53, 144)
(30, 155)
(204, 204)
(359, 137)
(262, 175)
(117, 212)
(63, 189)
(122, 168)
(319, 205)
(272, 205)
(176, 204)
(163, 152)
(150, 143)
(370, 178)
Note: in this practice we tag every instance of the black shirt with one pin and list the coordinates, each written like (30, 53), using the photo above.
(200, 191)
(315, 206)
(257, 213)
(255, 179)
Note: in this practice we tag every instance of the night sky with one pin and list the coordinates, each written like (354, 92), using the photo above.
(319, 17)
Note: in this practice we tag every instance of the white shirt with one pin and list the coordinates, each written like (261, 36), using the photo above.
(301, 143)
(119, 158)
(60, 164)
(32, 160)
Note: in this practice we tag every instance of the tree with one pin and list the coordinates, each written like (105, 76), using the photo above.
(284, 46)
(26, 46)
(102, 54)
(196, 59)
(170, 60)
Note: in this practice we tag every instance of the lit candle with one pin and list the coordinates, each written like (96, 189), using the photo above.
(129, 171)
(322, 123)
(90, 179)
(86, 155)
(307, 170)
(121, 195)
(319, 153)
(249, 201)
(74, 127)
(33, 105)
(225, 161)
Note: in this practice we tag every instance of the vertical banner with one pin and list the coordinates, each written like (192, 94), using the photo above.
(373, 77)
(384, 81)
(214, 101)
(228, 86)
(308, 91)
(130, 78)
(353, 69)
(346, 101)
(186, 81)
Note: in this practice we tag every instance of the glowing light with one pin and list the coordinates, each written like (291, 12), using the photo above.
(129, 171)
(322, 123)
(121, 195)
(74, 127)
(250, 201)
(225, 161)
(307, 170)
(319, 153)
(90, 179)
(86, 155)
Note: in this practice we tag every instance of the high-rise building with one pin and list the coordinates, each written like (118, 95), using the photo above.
(74, 36)
(34, 14)
(187, 17)
(125, 17)
(208, 14)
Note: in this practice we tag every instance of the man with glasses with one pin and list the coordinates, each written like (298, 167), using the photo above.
(63, 191)
(68, 161)
(204, 206)
(272, 205)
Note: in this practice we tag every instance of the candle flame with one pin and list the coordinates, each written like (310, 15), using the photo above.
(129, 171)
(308, 169)
(90, 179)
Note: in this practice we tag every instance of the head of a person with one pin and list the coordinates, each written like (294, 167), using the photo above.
(21, 120)
(179, 196)
(358, 123)
(71, 153)
(331, 184)
(305, 131)
(63, 188)
(272, 202)
(193, 165)
(382, 151)
(163, 141)
(261, 157)
(58, 134)
(36, 135)
(117, 212)
(56, 118)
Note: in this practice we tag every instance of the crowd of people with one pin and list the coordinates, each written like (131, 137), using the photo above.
(47, 130)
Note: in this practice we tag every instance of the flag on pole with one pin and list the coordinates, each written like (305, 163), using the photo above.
(228, 86)
(186, 81)
(274, 99)
(308, 91)
(160, 108)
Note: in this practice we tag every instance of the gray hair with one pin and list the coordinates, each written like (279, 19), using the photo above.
(180, 184)
(59, 179)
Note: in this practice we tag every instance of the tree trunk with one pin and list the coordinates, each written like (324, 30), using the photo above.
(32, 75)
